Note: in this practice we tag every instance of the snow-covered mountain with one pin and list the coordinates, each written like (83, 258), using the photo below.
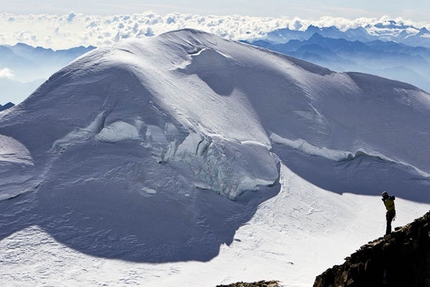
(215, 159)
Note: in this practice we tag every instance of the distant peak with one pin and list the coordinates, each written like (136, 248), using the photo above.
(6, 106)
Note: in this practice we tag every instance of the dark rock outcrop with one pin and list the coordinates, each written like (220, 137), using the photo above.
(400, 259)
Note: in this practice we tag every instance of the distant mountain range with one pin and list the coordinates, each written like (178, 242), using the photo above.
(357, 50)
(7, 106)
(30, 63)
(384, 31)
(30, 66)
(386, 48)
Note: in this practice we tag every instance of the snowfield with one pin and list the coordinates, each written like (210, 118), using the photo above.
(191, 160)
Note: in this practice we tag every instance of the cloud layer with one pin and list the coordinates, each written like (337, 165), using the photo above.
(6, 73)
(63, 32)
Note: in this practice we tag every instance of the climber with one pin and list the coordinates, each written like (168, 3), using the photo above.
(391, 210)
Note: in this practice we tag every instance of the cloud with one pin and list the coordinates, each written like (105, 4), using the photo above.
(6, 73)
(75, 29)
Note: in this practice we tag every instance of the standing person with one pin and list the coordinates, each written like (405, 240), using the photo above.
(391, 209)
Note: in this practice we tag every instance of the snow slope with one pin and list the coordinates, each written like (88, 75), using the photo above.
(188, 159)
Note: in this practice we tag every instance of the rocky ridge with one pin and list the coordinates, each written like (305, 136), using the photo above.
(399, 259)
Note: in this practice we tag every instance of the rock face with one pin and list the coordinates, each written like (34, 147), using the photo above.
(400, 259)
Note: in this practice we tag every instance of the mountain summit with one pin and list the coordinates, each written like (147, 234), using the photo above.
(216, 107)
(125, 152)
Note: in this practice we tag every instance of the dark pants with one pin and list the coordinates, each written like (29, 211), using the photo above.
(390, 216)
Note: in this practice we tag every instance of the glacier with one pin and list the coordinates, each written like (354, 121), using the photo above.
(173, 149)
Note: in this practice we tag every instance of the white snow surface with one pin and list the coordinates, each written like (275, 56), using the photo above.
(190, 160)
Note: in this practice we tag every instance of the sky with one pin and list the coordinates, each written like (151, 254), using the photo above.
(420, 11)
